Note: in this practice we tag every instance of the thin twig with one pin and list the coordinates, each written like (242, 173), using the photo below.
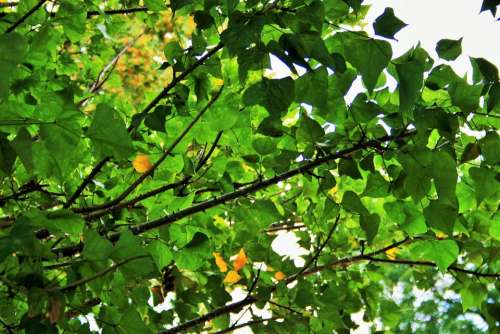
(25, 16)
(233, 307)
(318, 252)
(432, 264)
(165, 154)
(245, 324)
(116, 11)
(252, 188)
(163, 94)
(261, 184)
(106, 71)
(97, 275)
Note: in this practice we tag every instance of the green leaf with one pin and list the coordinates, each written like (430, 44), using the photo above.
(487, 69)
(444, 172)
(131, 322)
(155, 5)
(65, 221)
(97, 248)
(349, 167)
(441, 216)
(22, 144)
(108, 133)
(410, 68)
(490, 5)
(465, 96)
(387, 24)
(312, 88)
(309, 130)
(442, 252)
(471, 152)
(363, 110)
(473, 295)
(14, 47)
(156, 120)
(161, 254)
(263, 145)
(351, 202)
(194, 253)
(493, 103)
(369, 56)
(449, 49)
(7, 155)
(490, 148)
(275, 95)
(376, 186)
(485, 182)
(73, 20)
(370, 224)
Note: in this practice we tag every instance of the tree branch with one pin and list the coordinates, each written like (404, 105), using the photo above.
(140, 117)
(97, 275)
(245, 324)
(259, 185)
(254, 187)
(133, 201)
(116, 11)
(236, 306)
(165, 154)
(431, 264)
(106, 71)
(26, 16)
(318, 252)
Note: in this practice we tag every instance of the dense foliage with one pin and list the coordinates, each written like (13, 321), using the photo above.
(150, 155)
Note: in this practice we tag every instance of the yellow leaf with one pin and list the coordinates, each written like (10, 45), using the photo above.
(279, 276)
(141, 163)
(391, 253)
(219, 261)
(440, 235)
(240, 260)
(232, 277)
(218, 82)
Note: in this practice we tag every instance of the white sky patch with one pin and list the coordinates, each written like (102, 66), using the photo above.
(286, 244)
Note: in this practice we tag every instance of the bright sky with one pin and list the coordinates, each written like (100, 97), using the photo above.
(431, 20)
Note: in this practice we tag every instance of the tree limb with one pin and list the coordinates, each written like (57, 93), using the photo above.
(245, 324)
(259, 185)
(236, 306)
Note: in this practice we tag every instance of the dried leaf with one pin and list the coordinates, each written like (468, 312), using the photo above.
(219, 261)
(240, 260)
(142, 163)
(56, 308)
(158, 294)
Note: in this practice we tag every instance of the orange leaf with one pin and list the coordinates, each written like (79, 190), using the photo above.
(219, 261)
(240, 260)
(232, 277)
(156, 290)
(141, 163)
(279, 276)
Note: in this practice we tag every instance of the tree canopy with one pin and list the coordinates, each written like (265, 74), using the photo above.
(150, 155)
